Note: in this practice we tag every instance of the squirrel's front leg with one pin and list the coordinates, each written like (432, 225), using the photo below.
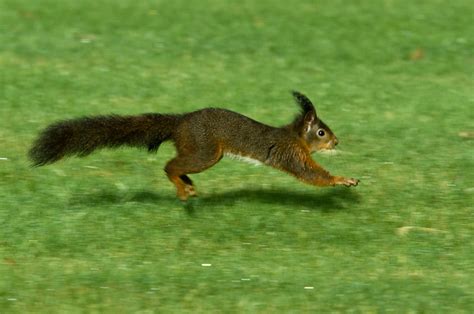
(315, 174)
(337, 180)
(307, 170)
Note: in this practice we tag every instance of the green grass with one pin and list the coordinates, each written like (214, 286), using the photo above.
(106, 233)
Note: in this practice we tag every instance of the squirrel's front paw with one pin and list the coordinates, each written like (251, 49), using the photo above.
(351, 182)
(347, 181)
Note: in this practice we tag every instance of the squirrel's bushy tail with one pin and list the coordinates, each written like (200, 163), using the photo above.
(84, 135)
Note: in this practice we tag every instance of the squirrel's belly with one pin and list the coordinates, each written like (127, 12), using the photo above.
(246, 159)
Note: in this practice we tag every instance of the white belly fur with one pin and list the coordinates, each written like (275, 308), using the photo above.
(243, 158)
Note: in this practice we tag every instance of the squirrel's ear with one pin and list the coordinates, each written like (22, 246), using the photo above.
(308, 113)
(304, 102)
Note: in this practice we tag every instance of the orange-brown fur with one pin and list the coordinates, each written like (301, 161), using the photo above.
(201, 139)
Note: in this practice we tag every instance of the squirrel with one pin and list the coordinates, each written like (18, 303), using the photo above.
(201, 139)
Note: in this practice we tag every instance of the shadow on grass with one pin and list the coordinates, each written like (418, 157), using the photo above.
(327, 200)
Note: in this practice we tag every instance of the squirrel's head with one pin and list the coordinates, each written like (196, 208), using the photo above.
(317, 135)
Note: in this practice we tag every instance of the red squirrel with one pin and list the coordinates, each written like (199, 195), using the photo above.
(201, 139)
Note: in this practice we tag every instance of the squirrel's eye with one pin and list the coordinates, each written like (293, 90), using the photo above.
(321, 132)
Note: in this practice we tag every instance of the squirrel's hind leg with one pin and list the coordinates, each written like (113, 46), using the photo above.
(190, 162)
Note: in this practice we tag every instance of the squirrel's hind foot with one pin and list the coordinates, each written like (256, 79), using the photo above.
(186, 192)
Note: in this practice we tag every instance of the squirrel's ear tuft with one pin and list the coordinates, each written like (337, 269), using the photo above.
(304, 102)
(305, 121)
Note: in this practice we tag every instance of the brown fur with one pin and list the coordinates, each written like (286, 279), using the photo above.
(201, 138)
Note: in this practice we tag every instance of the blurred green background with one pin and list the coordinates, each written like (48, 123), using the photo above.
(394, 79)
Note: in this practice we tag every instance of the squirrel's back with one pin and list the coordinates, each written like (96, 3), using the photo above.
(234, 132)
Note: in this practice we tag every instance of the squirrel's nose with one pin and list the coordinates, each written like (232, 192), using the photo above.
(336, 141)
